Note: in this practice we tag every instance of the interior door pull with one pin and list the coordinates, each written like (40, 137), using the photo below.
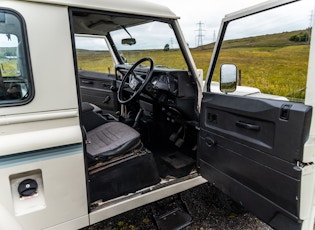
(210, 142)
(244, 125)
(87, 82)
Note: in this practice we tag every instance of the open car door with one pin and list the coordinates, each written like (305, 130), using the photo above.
(96, 71)
(253, 147)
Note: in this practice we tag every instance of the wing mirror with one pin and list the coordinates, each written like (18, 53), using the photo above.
(228, 78)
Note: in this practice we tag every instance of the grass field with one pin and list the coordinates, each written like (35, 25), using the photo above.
(280, 71)
(272, 63)
(8, 67)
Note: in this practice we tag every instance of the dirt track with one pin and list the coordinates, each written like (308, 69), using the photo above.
(210, 210)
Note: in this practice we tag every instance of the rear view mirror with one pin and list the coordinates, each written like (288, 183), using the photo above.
(128, 41)
(228, 78)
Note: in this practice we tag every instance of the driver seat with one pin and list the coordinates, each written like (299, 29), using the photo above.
(111, 139)
(107, 139)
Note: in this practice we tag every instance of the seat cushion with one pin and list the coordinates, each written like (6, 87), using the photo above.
(111, 139)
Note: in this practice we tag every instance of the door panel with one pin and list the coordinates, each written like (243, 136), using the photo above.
(250, 148)
(99, 89)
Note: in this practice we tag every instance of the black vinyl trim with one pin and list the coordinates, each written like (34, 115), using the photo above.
(263, 208)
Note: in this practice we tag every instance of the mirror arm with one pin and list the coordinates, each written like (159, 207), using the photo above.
(126, 30)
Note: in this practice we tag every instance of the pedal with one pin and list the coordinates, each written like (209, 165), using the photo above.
(173, 215)
(175, 135)
(179, 142)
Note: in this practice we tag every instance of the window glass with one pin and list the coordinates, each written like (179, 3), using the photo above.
(127, 39)
(93, 54)
(15, 84)
(153, 39)
(271, 51)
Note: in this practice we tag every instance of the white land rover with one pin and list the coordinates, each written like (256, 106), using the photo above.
(101, 111)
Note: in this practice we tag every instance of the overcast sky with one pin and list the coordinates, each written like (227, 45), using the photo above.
(210, 13)
(204, 16)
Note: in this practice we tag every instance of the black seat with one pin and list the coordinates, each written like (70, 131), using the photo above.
(107, 139)
(111, 139)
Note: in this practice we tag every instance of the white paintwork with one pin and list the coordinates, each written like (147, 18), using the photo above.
(48, 121)
(308, 186)
(123, 6)
(134, 202)
(256, 8)
(246, 91)
(7, 219)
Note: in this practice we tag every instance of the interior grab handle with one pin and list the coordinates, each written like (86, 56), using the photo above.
(245, 125)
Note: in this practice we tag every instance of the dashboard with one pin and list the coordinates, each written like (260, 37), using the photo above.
(167, 88)
(165, 82)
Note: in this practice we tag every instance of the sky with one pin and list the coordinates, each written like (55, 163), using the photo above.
(208, 15)
(207, 12)
(203, 17)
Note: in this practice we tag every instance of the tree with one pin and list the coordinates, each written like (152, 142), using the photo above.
(167, 47)
(301, 37)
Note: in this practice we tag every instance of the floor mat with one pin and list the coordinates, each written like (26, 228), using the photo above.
(178, 160)
(174, 164)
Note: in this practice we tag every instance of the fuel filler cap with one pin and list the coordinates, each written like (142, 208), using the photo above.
(27, 187)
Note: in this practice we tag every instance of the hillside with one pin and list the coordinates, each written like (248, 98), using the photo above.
(268, 40)
(7, 51)
(273, 63)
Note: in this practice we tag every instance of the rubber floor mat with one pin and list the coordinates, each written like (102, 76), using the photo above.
(178, 160)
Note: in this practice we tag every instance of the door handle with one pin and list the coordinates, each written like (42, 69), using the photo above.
(210, 142)
(245, 125)
(87, 82)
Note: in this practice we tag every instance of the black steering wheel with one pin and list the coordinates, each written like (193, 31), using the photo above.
(133, 83)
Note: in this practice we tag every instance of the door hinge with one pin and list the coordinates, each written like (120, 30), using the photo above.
(301, 165)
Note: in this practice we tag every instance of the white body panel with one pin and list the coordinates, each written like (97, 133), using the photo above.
(51, 119)
(308, 188)
(137, 201)
(122, 6)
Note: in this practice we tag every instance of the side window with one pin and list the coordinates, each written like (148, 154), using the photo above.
(270, 50)
(93, 54)
(15, 77)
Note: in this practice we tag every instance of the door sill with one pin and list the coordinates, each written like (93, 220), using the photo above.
(105, 210)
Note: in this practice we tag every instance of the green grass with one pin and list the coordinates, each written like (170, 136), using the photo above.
(279, 71)
(272, 63)
(98, 61)
(8, 68)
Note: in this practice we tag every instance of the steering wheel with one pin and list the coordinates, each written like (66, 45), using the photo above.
(134, 83)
